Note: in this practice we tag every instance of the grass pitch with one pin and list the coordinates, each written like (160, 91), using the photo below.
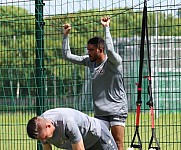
(167, 126)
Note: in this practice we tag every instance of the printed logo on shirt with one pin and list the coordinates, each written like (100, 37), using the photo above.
(102, 72)
(98, 71)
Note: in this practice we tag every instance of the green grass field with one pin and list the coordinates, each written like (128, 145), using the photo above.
(167, 128)
(168, 131)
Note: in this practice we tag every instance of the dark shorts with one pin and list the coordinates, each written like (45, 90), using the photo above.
(113, 120)
(106, 141)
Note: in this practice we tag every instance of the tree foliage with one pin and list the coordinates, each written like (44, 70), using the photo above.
(17, 40)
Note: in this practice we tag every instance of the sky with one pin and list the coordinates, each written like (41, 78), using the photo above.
(53, 7)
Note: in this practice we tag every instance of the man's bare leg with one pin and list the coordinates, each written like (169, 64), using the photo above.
(118, 134)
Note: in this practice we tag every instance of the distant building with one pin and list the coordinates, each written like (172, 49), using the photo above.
(165, 70)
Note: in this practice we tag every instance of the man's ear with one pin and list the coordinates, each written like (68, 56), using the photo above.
(48, 126)
(101, 50)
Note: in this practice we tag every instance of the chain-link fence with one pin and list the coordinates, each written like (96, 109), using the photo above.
(34, 77)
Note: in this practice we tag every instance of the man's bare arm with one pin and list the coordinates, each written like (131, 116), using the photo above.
(47, 146)
(78, 146)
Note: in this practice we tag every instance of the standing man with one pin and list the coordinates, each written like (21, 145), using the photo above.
(109, 96)
(70, 129)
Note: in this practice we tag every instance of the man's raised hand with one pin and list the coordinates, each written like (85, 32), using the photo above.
(105, 21)
(67, 28)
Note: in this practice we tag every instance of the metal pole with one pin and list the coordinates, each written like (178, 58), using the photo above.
(40, 88)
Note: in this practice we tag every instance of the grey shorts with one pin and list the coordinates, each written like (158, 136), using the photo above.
(106, 141)
(113, 120)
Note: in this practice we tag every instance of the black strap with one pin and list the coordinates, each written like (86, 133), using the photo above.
(144, 25)
(139, 84)
(150, 102)
(143, 34)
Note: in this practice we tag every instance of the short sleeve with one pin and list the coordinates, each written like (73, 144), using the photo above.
(72, 132)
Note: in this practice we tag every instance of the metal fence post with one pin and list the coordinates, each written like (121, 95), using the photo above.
(39, 27)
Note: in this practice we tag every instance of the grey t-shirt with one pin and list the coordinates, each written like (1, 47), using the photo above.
(71, 126)
(109, 96)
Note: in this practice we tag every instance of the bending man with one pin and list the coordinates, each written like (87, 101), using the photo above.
(70, 129)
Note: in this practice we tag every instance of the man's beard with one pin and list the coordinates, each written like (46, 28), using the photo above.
(95, 58)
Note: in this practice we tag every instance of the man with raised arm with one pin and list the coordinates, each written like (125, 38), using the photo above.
(109, 96)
